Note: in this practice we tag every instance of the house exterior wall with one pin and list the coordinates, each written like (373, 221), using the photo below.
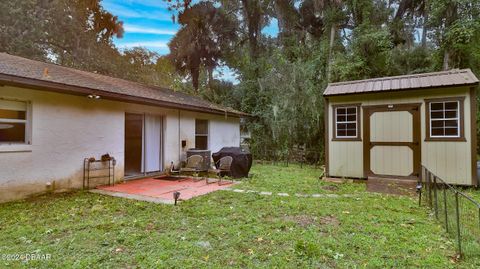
(451, 161)
(66, 129)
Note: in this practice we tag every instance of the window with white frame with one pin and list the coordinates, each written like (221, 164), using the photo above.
(444, 119)
(14, 122)
(346, 122)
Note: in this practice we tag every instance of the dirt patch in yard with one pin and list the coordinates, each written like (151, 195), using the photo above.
(329, 220)
(307, 220)
(330, 188)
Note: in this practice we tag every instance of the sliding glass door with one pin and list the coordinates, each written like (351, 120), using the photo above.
(153, 143)
(143, 144)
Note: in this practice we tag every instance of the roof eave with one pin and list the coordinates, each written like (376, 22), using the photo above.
(43, 85)
(407, 89)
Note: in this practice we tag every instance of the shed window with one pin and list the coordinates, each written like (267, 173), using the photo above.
(445, 119)
(346, 122)
(13, 122)
(201, 134)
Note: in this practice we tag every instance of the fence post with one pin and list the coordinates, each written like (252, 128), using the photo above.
(435, 195)
(301, 159)
(422, 178)
(425, 196)
(429, 188)
(459, 239)
(445, 206)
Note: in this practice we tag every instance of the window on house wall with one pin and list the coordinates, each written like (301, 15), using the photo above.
(201, 134)
(13, 122)
(346, 121)
(445, 119)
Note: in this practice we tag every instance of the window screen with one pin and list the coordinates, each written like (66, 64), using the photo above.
(201, 134)
(346, 122)
(13, 122)
(444, 119)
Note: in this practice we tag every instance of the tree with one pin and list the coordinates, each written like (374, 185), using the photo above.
(456, 27)
(72, 33)
(82, 31)
(206, 34)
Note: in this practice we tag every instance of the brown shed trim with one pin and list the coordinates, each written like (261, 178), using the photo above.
(77, 90)
(334, 123)
(461, 138)
(326, 140)
(473, 134)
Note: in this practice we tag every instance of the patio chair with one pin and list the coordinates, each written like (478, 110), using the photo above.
(172, 170)
(223, 168)
(193, 165)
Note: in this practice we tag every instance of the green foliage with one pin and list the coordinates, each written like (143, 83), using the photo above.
(294, 109)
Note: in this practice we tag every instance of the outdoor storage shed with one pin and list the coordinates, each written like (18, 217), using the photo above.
(390, 127)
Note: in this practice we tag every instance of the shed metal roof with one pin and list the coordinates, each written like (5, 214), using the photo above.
(19, 71)
(464, 77)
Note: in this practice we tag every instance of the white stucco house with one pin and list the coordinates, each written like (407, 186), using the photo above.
(53, 117)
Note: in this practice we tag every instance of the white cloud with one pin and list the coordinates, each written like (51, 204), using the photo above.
(146, 30)
(146, 44)
(126, 12)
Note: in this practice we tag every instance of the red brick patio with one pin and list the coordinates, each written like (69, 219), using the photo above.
(162, 189)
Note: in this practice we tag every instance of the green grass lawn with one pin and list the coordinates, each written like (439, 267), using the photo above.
(294, 179)
(229, 229)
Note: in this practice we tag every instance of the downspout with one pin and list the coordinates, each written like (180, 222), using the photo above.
(179, 141)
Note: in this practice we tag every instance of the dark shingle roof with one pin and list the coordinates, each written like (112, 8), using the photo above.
(457, 77)
(20, 71)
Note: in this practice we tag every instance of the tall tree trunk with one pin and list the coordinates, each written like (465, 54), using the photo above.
(252, 15)
(287, 16)
(424, 32)
(210, 77)
(330, 50)
(450, 18)
(195, 73)
(425, 28)
(446, 59)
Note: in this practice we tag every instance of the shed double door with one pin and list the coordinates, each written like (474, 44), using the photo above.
(392, 141)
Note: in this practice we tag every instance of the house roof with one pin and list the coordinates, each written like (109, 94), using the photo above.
(18, 71)
(450, 78)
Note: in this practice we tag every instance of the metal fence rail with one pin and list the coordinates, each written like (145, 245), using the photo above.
(458, 213)
(286, 157)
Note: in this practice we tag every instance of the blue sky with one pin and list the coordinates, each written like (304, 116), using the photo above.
(148, 23)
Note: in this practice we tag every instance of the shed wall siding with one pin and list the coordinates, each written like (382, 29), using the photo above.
(66, 129)
(450, 161)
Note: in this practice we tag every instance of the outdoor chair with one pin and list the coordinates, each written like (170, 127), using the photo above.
(223, 168)
(194, 165)
(172, 170)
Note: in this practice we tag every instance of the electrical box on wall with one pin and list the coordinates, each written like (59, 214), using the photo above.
(184, 143)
